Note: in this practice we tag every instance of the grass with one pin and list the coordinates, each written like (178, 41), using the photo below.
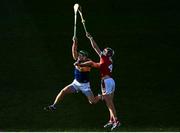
(24, 112)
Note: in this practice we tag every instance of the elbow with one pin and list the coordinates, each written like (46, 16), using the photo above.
(74, 57)
(93, 46)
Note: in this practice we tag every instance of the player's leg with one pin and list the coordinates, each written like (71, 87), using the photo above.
(91, 98)
(108, 88)
(116, 122)
(113, 117)
(66, 90)
(112, 113)
(110, 105)
(105, 94)
(86, 90)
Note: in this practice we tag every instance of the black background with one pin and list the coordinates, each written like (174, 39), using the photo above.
(36, 63)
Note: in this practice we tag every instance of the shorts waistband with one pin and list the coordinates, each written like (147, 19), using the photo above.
(82, 81)
(106, 77)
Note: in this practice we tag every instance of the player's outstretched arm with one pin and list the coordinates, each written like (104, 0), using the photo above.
(74, 48)
(93, 44)
(87, 63)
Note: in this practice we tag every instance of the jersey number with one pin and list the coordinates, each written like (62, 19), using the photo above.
(110, 67)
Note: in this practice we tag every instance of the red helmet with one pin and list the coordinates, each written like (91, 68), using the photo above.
(109, 52)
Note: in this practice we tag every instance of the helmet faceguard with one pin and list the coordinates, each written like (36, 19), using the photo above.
(84, 53)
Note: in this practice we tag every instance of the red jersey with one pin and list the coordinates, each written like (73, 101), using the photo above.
(105, 66)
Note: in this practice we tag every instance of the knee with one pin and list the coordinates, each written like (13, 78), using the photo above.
(63, 91)
(92, 101)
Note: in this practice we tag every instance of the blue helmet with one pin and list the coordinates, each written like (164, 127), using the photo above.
(84, 53)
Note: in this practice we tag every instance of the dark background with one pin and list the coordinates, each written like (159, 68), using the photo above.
(36, 63)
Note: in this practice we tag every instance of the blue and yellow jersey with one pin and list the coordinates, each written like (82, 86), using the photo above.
(81, 74)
